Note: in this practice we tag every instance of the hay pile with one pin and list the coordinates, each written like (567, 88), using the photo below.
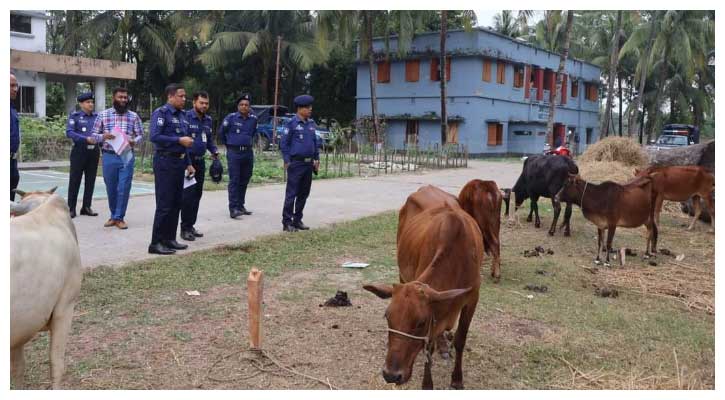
(600, 171)
(616, 149)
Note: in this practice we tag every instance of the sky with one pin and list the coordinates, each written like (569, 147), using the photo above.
(485, 17)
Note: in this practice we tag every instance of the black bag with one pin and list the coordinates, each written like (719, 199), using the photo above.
(216, 171)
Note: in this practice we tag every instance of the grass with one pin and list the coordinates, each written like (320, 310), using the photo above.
(565, 338)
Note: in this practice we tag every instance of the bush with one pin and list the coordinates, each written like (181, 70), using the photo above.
(616, 149)
(44, 139)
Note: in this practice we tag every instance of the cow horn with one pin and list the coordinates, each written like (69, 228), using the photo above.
(51, 191)
(19, 208)
(20, 192)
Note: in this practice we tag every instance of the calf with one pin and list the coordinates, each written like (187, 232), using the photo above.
(45, 278)
(609, 205)
(482, 200)
(680, 183)
(439, 254)
(543, 176)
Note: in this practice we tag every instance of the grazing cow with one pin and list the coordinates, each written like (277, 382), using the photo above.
(543, 176)
(679, 183)
(45, 278)
(482, 200)
(424, 198)
(609, 205)
(439, 254)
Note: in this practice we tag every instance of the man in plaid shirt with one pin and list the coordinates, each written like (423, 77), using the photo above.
(118, 169)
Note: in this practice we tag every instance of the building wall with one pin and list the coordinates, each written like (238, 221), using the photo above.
(35, 41)
(38, 81)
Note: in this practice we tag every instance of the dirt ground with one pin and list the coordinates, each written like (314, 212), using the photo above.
(201, 342)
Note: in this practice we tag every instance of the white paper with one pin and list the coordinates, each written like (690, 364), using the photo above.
(354, 265)
(193, 293)
(119, 142)
(189, 182)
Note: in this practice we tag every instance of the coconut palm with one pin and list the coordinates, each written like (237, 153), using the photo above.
(562, 63)
(613, 62)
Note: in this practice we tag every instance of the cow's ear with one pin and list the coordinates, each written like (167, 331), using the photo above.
(51, 191)
(380, 290)
(20, 192)
(436, 296)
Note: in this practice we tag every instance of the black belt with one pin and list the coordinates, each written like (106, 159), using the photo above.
(300, 158)
(239, 148)
(108, 151)
(170, 154)
(87, 146)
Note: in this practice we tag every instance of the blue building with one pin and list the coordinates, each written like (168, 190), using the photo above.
(498, 89)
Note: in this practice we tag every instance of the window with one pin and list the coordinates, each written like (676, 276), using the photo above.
(523, 133)
(518, 76)
(495, 134)
(574, 88)
(487, 70)
(590, 90)
(384, 72)
(452, 136)
(411, 133)
(25, 102)
(20, 23)
(589, 135)
(412, 70)
(435, 73)
(548, 75)
(501, 72)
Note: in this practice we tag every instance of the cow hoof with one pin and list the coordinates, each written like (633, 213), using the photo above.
(607, 264)
(551, 233)
(528, 219)
(537, 225)
(457, 385)
(597, 262)
(496, 279)
(567, 233)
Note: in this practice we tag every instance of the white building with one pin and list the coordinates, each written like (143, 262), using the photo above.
(34, 67)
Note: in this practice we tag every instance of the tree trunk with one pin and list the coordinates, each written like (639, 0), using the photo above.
(613, 60)
(442, 64)
(643, 79)
(660, 89)
(371, 64)
(562, 64)
(619, 84)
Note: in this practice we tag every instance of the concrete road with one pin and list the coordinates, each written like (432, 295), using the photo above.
(331, 201)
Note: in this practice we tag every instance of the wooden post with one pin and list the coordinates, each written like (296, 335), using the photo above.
(254, 297)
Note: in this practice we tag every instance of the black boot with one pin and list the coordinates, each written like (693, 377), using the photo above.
(299, 225)
(173, 244)
(289, 228)
(235, 214)
(88, 211)
(196, 233)
(158, 248)
(244, 211)
(72, 213)
(188, 236)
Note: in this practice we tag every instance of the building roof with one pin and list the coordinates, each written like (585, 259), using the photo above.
(494, 33)
(31, 13)
(67, 65)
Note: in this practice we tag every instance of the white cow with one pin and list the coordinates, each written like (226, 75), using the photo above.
(45, 278)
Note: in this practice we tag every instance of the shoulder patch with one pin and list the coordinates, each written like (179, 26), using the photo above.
(160, 121)
(72, 121)
(226, 122)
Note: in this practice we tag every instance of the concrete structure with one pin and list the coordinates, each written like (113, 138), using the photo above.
(34, 67)
(499, 91)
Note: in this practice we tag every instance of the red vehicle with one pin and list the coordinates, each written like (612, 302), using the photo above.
(561, 150)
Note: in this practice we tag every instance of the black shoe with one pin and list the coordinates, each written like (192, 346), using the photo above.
(73, 213)
(234, 214)
(188, 235)
(196, 233)
(173, 244)
(289, 228)
(245, 211)
(301, 226)
(159, 248)
(88, 211)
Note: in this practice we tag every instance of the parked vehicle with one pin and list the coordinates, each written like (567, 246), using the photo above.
(670, 141)
(265, 115)
(692, 132)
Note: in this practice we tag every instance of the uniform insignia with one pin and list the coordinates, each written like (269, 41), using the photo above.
(160, 121)
(72, 122)
(300, 136)
(299, 127)
(83, 129)
(226, 123)
(203, 137)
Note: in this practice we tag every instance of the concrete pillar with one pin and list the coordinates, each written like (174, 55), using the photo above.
(70, 95)
(100, 93)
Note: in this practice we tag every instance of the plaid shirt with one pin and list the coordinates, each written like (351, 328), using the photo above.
(109, 119)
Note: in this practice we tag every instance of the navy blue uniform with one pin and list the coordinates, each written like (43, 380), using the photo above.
(14, 147)
(83, 158)
(237, 133)
(170, 161)
(200, 130)
(300, 147)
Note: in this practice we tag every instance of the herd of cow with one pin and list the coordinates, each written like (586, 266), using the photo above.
(441, 242)
(442, 239)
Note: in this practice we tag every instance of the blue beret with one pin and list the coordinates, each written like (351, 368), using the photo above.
(245, 96)
(304, 100)
(85, 96)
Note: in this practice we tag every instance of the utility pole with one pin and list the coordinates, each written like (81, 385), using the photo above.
(276, 92)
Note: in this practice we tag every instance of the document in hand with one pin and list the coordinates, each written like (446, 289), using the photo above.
(189, 182)
(119, 142)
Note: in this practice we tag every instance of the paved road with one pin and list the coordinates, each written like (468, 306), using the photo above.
(331, 201)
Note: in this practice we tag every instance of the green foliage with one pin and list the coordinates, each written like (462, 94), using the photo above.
(44, 139)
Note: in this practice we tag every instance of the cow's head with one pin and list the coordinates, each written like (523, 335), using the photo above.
(409, 315)
(29, 201)
(570, 191)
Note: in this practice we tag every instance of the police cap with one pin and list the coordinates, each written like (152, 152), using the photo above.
(85, 96)
(304, 100)
(245, 96)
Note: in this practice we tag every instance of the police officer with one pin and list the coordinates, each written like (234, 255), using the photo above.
(300, 151)
(200, 129)
(170, 136)
(84, 155)
(14, 138)
(237, 133)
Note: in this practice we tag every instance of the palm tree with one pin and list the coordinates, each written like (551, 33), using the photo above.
(560, 72)
(549, 31)
(443, 76)
(613, 61)
(505, 24)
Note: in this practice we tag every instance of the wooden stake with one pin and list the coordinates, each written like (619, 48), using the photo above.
(254, 296)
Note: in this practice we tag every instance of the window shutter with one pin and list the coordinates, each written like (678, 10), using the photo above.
(412, 70)
(487, 70)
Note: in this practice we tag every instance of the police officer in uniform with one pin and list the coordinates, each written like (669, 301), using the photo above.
(300, 151)
(14, 138)
(237, 133)
(171, 139)
(200, 125)
(84, 155)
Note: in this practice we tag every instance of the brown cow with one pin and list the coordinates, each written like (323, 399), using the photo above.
(679, 183)
(482, 200)
(609, 205)
(426, 197)
(439, 254)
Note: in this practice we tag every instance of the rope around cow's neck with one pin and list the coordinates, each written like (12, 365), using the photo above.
(581, 202)
(426, 339)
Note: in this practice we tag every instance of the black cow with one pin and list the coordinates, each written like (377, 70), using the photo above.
(543, 176)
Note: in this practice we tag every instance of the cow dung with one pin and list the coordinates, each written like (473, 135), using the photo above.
(630, 253)
(652, 263)
(666, 252)
(537, 288)
(606, 292)
(340, 300)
